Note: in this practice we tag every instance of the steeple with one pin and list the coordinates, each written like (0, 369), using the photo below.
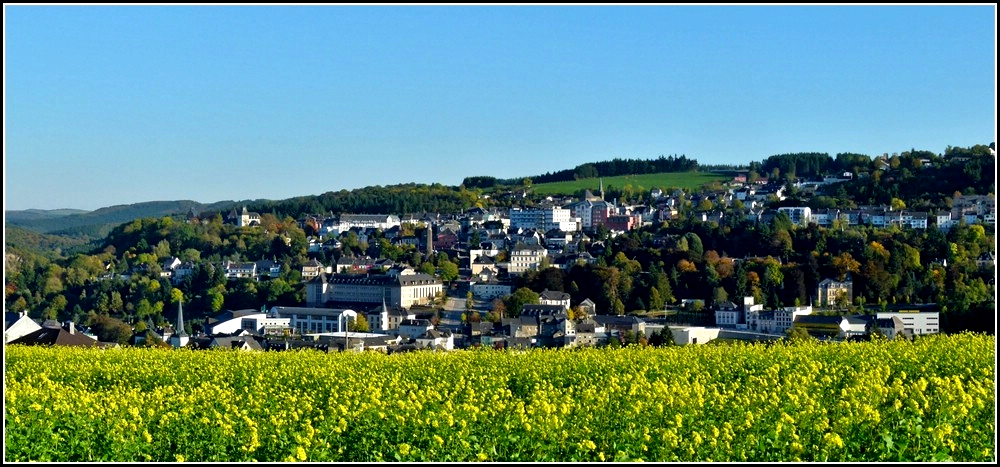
(602, 188)
(180, 320)
(180, 338)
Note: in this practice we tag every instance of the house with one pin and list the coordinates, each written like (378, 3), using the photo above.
(384, 318)
(354, 264)
(490, 288)
(552, 297)
(245, 218)
(556, 331)
(16, 325)
(889, 327)
(522, 326)
(828, 290)
(268, 268)
(622, 324)
(775, 321)
(524, 257)
(311, 269)
(445, 240)
(239, 270)
(587, 307)
(480, 263)
(437, 340)
(168, 266)
(235, 342)
(728, 315)
(185, 269)
(414, 328)
(53, 333)
(589, 333)
(378, 343)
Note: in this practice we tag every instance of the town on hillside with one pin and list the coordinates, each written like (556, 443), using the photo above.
(738, 260)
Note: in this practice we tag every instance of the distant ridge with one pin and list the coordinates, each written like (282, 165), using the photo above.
(36, 214)
(99, 222)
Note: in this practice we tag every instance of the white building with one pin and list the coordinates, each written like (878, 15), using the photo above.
(552, 297)
(414, 328)
(543, 219)
(694, 335)
(362, 221)
(315, 320)
(17, 325)
(525, 258)
(398, 288)
(917, 323)
(254, 321)
(489, 290)
(799, 215)
(434, 339)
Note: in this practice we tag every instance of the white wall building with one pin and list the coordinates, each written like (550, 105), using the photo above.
(798, 215)
(414, 328)
(250, 320)
(694, 335)
(543, 219)
(489, 290)
(917, 323)
(315, 320)
(525, 258)
(17, 325)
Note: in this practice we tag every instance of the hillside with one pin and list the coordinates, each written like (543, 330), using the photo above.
(98, 223)
(25, 242)
(643, 182)
(28, 215)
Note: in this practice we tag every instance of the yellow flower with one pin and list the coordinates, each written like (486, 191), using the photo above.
(833, 439)
(404, 449)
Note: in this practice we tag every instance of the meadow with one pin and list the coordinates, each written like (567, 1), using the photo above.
(932, 399)
(665, 181)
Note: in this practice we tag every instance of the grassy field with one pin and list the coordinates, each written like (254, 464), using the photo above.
(645, 182)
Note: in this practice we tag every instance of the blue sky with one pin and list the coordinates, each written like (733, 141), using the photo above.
(109, 105)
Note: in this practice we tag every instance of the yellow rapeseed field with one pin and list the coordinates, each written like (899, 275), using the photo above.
(930, 399)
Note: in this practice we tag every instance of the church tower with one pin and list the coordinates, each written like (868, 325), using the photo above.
(180, 337)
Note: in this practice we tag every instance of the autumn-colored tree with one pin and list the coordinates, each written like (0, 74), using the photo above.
(843, 264)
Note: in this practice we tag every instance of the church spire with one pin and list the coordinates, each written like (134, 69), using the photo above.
(180, 338)
(602, 188)
(180, 320)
